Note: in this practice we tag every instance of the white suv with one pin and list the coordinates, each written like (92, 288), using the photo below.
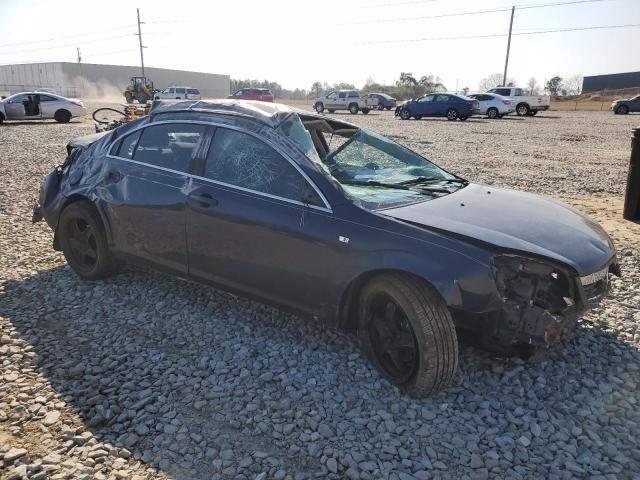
(179, 93)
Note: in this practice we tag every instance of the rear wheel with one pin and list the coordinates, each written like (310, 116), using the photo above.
(622, 110)
(493, 112)
(408, 333)
(84, 242)
(463, 118)
(452, 114)
(319, 107)
(1, 118)
(331, 110)
(405, 114)
(532, 113)
(522, 109)
(62, 116)
(353, 108)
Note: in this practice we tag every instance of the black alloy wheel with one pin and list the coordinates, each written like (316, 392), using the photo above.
(392, 339)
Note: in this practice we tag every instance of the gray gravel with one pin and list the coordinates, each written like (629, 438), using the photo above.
(146, 376)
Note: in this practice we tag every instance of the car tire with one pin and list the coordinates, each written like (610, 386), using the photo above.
(463, 118)
(408, 333)
(365, 111)
(500, 116)
(452, 114)
(493, 113)
(388, 108)
(418, 117)
(522, 109)
(84, 242)
(353, 108)
(331, 110)
(62, 116)
(319, 107)
(622, 110)
(1, 118)
(380, 106)
(405, 114)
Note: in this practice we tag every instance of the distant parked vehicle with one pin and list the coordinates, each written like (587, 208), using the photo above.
(179, 93)
(626, 105)
(345, 100)
(260, 94)
(493, 105)
(525, 104)
(39, 106)
(384, 100)
(454, 107)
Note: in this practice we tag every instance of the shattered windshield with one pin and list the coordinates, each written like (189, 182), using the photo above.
(378, 173)
(293, 128)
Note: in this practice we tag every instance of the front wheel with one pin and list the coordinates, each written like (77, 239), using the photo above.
(365, 110)
(84, 242)
(62, 116)
(319, 107)
(493, 112)
(405, 114)
(622, 110)
(452, 114)
(408, 333)
(353, 108)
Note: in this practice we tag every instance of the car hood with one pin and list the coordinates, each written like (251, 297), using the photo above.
(515, 221)
(622, 100)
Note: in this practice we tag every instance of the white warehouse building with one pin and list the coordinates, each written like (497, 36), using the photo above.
(95, 80)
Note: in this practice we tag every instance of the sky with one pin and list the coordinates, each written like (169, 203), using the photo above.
(298, 42)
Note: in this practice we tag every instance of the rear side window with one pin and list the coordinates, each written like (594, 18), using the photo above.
(180, 90)
(47, 98)
(442, 98)
(193, 91)
(506, 92)
(125, 147)
(169, 145)
(353, 94)
(242, 160)
(342, 94)
(519, 92)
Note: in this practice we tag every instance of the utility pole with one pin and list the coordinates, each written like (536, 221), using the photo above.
(140, 39)
(506, 60)
(79, 56)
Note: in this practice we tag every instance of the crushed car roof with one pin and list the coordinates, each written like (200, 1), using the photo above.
(272, 114)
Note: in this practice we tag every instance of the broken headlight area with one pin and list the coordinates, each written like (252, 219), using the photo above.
(540, 303)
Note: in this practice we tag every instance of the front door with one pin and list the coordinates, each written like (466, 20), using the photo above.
(255, 223)
(332, 100)
(14, 107)
(424, 106)
(145, 189)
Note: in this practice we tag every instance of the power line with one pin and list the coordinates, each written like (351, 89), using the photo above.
(65, 37)
(476, 12)
(63, 46)
(490, 35)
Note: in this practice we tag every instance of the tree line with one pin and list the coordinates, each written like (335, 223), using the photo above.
(409, 86)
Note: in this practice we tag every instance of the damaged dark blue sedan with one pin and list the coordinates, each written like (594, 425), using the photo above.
(332, 222)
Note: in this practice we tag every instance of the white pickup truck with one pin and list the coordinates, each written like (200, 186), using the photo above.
(525, 104)
(344, 100)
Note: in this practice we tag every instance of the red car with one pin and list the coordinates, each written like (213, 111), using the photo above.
(262, 94)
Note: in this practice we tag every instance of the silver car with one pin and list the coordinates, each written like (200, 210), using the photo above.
(493, 105)
(40, 105)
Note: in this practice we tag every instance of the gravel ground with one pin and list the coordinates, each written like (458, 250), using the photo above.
(145, 376)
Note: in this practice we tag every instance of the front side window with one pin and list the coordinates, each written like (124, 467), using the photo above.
(332, 95)
(167, 146)
(242, 160)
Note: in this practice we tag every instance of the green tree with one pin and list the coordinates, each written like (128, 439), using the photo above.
(554, 85)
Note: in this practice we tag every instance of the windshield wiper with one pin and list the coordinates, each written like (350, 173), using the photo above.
(417, 180)
(375, 183)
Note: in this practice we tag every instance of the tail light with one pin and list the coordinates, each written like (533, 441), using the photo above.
(506, 102)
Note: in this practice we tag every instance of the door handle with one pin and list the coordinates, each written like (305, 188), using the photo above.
(203, 200)
(114, 176)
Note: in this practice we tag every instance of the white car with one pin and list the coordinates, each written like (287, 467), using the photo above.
(179, 93)
(493, 105)
(40, 105)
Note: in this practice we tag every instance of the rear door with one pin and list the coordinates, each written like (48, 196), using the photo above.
(181, 93)
(49, 105)
(14, 107)
(255, 222)
(441, 104)
(145, 189)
